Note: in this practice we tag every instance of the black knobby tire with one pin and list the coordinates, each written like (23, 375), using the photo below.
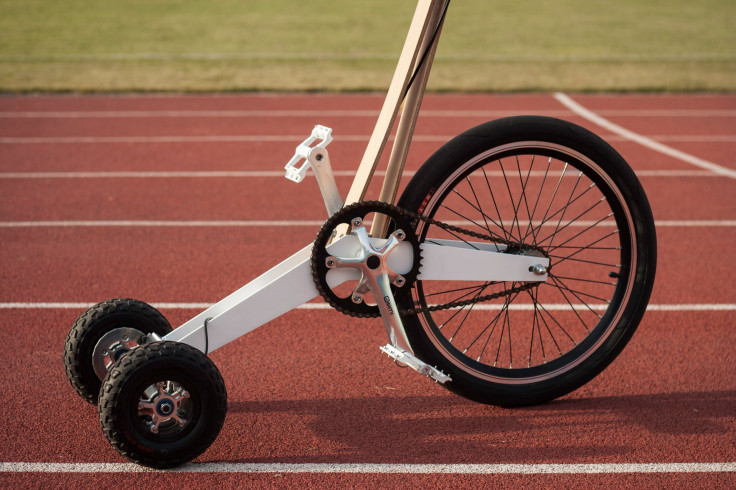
(142, 378)
(557, 186)
(92, 325)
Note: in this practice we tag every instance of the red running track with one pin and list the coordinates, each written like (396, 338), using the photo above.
(669, 399)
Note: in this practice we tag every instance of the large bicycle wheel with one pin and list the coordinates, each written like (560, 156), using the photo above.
(555, 186)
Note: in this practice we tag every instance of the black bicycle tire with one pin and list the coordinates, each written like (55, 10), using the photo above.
(541, 131)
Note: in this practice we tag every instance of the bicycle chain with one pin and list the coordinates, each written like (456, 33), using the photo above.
(411, 215)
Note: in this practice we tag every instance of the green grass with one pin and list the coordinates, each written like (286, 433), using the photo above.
(242, 45)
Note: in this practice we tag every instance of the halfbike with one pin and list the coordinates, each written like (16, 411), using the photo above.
(513, 268)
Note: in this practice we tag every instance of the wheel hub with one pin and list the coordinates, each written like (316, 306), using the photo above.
(112, 346)
(164, 405)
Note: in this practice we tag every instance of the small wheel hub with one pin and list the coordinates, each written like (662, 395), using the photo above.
(164, 406)
(112, 346)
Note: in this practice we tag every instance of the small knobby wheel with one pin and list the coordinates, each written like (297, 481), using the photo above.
(163, 404)
(101, 335)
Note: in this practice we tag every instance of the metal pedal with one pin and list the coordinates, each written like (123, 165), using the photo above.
(404, 357)
(297, 174)
(318, 159)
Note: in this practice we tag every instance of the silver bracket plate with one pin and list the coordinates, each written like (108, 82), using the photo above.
(404, 357)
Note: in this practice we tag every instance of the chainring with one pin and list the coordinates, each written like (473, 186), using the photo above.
(345, 216)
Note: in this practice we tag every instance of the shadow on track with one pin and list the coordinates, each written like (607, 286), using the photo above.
(449, 429)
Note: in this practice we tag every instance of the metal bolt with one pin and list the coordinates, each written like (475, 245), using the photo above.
(538, 269)
(319, 157)
(357, 298)
(400, 234)
(357, 222)
(399, 281)
(330, 262)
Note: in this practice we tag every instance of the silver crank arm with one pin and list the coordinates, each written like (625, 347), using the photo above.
(399, 348)
(377, 277)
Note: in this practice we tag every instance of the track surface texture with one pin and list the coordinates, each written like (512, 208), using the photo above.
(179, 200)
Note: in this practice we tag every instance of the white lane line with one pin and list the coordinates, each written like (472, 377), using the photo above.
(188, 174)
(296, 223)
(204, 113)
(196, 174)
(380, 468)
(168, 139)
(275, 138)
(141, 223)
(642, 140)
(683, 138)
(325, 306)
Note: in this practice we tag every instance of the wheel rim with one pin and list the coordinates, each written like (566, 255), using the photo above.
(165, 409)
(112, 346)
(545, 195)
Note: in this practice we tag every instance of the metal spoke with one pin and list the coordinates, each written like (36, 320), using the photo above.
(500, 340)
(511, 199)
(535, 321)
(552, 235)
(490, 334)
(549, 331)
(495, 205)
(554, 194)
(562, 210)
(558, 325)
(585, 325)
(480, 207)
(557, 227)
(605, 283)
(530, 227)
(466, 316)
(578, 298)
(526, 202)
(568, 257)
(484, 215)
(561, 285)
(593, 262)
(587, 229)
(454, 234)
(458, 289)
(481, 288)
